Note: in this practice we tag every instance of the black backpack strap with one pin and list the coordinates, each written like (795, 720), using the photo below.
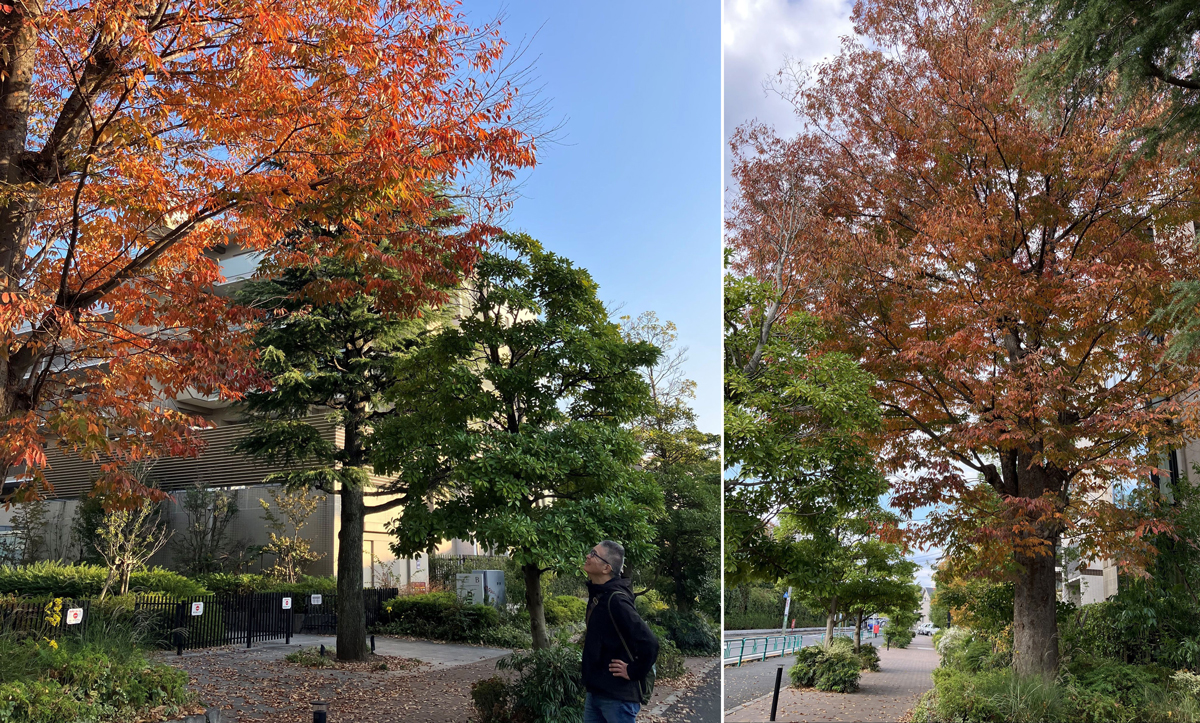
(617, 627)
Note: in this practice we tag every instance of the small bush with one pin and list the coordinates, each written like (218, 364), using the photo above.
(670, 660)
(896, 637)
(691, 633)
(1187, 683)
(549, 686)
(312, 658)
(438, 616)
(834, 669)
(869, 655)
(563, 609)
(490, 698)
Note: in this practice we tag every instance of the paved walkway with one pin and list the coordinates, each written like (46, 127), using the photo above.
(884, 696)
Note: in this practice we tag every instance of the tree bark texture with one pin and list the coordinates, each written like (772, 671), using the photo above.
(829, 621)
(536, 606)
(352, 620)
(1035, 621)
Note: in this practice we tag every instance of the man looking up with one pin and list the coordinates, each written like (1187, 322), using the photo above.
(619, 649)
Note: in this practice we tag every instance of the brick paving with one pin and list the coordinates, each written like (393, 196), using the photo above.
(884, 696)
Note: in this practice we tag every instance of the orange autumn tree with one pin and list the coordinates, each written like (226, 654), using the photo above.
(135, 136)
(997, 268)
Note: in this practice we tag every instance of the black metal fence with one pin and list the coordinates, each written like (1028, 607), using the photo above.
(52, 619)
(210, 621)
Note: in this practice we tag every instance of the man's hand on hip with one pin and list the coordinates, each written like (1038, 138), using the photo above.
(619, 668)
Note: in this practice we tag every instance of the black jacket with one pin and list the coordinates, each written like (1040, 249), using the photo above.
(602, 644)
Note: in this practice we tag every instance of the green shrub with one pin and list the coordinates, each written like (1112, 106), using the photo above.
(562, 609)
(224, 582)
(834, 669)
(56, 579)
(670, 660)
(84, 681)
(869, 655)
(490, 698)
(691, 633)
(549, 684)
(1187, 683)
(439, 616)
(508, 635)
(897, 637)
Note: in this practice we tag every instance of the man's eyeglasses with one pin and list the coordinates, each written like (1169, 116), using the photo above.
(598, 557)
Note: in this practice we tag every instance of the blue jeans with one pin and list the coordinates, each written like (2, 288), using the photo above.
(599, 709)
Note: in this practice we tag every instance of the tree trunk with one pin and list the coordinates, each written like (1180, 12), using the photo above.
(858, 621)
(1035, 622)
(829, 621)
(536, 606)
(352, 619)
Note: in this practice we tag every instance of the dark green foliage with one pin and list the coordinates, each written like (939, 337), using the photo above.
(514, 421)
(88, 681)
(56, 579)
(756, 606)
(549, 685)
(437, 616)
(490, 698)
(670, 659)
(869, 655)
(685, 463)
(1150, 49)
(691, 633)
(563, 609)
(248, 582)
(835, 670)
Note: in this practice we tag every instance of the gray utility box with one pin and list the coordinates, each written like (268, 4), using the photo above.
(483, 587)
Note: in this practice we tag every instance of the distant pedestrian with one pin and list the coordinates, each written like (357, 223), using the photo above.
(619, 649)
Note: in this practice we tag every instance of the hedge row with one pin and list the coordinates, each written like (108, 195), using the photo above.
(49, 578)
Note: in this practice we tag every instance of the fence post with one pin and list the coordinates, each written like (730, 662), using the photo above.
(249, 619)
(180, 607)
(741, 652)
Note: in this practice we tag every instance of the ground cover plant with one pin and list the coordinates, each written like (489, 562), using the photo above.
(102, 676)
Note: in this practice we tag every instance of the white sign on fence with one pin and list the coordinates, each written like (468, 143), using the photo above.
(197, 608)
(74, 616)
(287, 603)
(314, 600)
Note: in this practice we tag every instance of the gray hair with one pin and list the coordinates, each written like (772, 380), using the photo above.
(614, 555)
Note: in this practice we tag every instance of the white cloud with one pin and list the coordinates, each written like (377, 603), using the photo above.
(758, 35)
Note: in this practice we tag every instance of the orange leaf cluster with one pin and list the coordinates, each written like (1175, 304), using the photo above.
(138, 137)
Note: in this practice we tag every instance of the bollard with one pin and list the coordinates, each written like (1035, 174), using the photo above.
(322, 650)
(372, 644)
(775, 698)
(320, 711)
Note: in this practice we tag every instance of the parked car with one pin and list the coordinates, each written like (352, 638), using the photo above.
(926, 629)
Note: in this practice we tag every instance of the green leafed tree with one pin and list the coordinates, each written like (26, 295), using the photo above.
(796, 426)
(328, 357)
(685, 463)
(515, 420)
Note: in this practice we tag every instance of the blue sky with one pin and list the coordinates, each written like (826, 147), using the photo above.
(632, 189)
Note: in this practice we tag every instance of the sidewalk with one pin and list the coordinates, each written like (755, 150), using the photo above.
(884, 696)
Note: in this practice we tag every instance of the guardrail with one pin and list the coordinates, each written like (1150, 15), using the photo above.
(739, 650)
